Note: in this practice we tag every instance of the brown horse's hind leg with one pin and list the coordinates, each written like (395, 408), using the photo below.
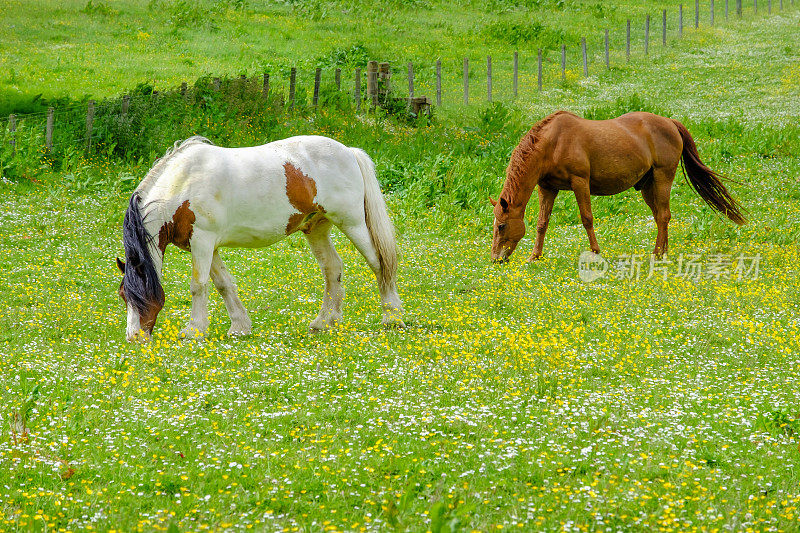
(656, 194)
(547, 198)
(580, 187)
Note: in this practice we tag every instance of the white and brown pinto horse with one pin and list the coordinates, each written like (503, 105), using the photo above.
(202, 197)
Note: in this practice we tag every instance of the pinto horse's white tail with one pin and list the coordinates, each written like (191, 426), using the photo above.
(380, 226)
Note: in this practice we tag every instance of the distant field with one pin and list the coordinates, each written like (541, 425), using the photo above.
(103, 48)
(519, 397)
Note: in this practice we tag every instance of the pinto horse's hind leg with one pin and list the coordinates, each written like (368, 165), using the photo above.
(580, 186)
(226, 286)
(319, 239)
(202, 248)
(390, 300)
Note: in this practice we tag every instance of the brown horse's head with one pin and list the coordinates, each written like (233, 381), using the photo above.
(509, 228)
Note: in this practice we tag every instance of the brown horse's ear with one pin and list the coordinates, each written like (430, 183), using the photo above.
(120, 265)
(493, 201)
(503, 204)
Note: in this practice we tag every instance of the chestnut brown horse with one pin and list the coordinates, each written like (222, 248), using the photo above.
(601, 157)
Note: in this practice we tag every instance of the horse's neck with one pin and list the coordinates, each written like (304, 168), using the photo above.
(522, 178)
(155, 212)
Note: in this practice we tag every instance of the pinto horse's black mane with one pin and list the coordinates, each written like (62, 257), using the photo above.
(140, 283)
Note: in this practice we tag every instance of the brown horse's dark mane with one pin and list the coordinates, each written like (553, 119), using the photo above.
(518, 168)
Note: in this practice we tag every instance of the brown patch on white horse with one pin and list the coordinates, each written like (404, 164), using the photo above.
(301, 191)
(177, 231)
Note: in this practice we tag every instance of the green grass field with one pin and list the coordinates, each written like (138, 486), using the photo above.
(518, 397)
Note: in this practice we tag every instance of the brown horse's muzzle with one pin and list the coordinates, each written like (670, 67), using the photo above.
(502, 256)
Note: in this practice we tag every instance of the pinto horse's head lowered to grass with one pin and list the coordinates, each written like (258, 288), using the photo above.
(141, 288)
(509, 228)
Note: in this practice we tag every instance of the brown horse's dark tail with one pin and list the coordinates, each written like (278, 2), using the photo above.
(705, 181)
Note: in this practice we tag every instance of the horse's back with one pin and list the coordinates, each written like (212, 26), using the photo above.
(615, 153)
(246, 196)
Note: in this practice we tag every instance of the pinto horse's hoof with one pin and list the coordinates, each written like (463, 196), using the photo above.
(191, 333)
(393, 321)
(320, 325)
(239, 331)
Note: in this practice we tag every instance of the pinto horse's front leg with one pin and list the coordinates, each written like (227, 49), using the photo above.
(202, 247)
(226, 286)
(580, 186)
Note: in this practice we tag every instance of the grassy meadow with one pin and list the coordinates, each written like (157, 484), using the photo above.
(519, 396)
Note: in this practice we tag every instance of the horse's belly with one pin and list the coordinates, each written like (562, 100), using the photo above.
(250, 237)
(607, 188)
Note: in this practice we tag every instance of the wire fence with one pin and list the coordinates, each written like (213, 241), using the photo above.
(412, 88)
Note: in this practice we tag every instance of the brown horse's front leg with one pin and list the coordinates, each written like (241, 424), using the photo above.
(580, 186)
(547, 198)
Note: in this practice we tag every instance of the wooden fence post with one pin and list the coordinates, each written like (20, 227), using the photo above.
(739, 8)
(711, 9)
(385, 74)
(563, 62)
(375, 93)
(769, 7)
(664, 28)
(410, 80)
(438, 82)
(608, 60)
(338, 79)
(539, 70)
(489, 78)
(628, 41)
(372, 82)
(292, 85)
(516, 73)
(184, 87)
(466, 81)
(48, 130)
(647, 35)
(12, 129)
(265, 87)
(539, 74)
(242, 85)
(216, 84)
(89, 123)
(585, 59)
(755, 7)
(680, 20)
(317, 81)
(126, 104)
(357, 92)
(696, 14)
